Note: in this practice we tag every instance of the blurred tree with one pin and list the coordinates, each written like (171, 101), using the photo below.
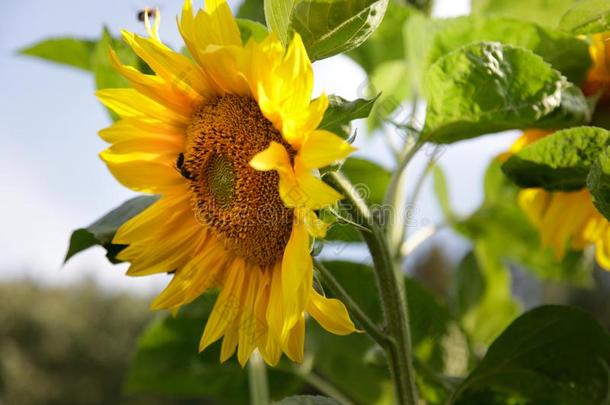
(68, 345)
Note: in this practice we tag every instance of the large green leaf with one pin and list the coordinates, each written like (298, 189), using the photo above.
(560, 161)
(489, 87)
(341, 112)
(550, 355)
(562, 51)
(545, 12)
(598, 182)
(508, 234)
(166, 362)
(327, 27)
(66, 51)
(587, 17)
(102, 231)
(387, 42)
(438, 343)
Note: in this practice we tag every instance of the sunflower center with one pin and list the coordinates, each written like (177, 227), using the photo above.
(240, 205)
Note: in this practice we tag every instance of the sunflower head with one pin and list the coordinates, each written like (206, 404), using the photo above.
(229, 139)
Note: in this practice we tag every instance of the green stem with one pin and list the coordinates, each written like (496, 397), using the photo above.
(257, 373)
(326, 388)
(398, 346)
(362, 319)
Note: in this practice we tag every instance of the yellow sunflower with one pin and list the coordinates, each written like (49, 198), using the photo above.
(569, 219)
(229, 141)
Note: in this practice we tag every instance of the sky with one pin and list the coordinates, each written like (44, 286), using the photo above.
(51, 180)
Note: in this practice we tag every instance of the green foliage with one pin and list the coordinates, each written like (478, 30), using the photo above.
(392, 80)
(277, 15)
(484, 294)
(340, 113)
(598, 181)
(490, 87)
(560, 161)
(327, 27)
(102, 231)
(386, 43)
(438, 342)
(587, 17)
(66, 51)
(251, 29)
(550, 355)
(545, 12)
(564, 52)
(167, 362)
(308, 400)
(68, 345)
(252, 10)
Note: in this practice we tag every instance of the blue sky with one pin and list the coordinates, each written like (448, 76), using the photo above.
(51, 180)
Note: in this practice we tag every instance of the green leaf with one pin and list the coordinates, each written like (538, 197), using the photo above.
(277, 15)
(102, 231)
(484, 294)
(340, 113)
(565, 52)
(598, 182)
(251, 29)
(387, 42)
(509, 235)
(550, 355)
(167, 362)
(252, 10)
(392, 82)
(560, 161)
(330, 27)
(545, 12)
(490, 87)
(66, 51)
(587, 17)
(308, 400)
(438, 343)
(105, 75)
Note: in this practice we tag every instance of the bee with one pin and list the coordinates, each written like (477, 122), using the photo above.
(149, 12)
(183, 170)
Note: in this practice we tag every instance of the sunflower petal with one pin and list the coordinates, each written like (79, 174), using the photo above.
(227, 306)
(330, 313)
(323, 148)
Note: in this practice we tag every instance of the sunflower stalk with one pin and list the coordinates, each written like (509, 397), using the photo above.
(393, 300)
(257, 375)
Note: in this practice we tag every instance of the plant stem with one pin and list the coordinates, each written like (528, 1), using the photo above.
(257, 374)
(362, 319)
(398, 347)
(326, 388)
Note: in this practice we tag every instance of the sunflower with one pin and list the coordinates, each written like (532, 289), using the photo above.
(229, 141)
(584, 226)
